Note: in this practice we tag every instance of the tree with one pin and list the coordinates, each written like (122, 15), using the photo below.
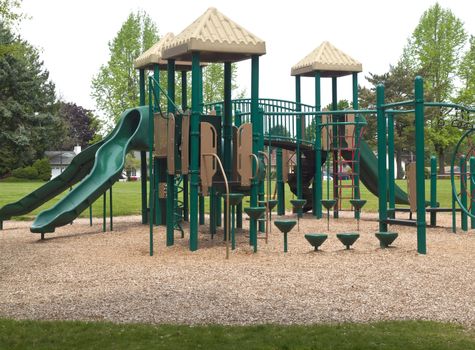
(8, 12)
(213, 82)
(80, 125)
(27, 120)
(434, 50)
(466, 74)
(116, 87)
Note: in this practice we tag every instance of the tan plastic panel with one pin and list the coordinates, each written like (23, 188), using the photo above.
(285, 164)
(171, 145)
(244, 151)
(234, 174)
(160, 136)
(185, 145)
(326, 133)
(208, 144)
(350, 131)
(411, 186)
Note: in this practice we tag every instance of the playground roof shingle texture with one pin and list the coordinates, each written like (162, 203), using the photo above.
(217, 38)
(153, 56)
(80, 273)
(328, 60)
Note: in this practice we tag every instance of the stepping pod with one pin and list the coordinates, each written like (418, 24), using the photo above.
(254, 213)
(234, 199)
(316, 239)
(328, 204)
(358, 204)
(285, 226)
(386, 238)
(298, 205)
(348, 238)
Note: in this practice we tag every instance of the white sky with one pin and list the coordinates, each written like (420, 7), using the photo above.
(73, 36)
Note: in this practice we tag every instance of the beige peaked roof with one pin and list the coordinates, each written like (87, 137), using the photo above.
(217, 38)
(154, 56)
(329, 60)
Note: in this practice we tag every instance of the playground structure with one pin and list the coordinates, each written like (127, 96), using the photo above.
(223, 149)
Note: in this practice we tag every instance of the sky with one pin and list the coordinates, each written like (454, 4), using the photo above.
(73, 36)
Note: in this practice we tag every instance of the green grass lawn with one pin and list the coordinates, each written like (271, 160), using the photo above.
(405, 335)
(126, 197)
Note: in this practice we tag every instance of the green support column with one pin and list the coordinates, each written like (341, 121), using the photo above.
(170, 177)
(237, 123)
(261, 197)
(382, 176)
(194, 149)
(335, 145)
(472, 191)
(159, 165)
(90, 215)
(143, 156)
(299, 141)
(433, 190)
(280, 184)
(201, 200)
(104, 211)
(317, 179)
(420, 186)
(256, 134)
(184, 106)
(391, 177)
(151, 174)
(110, 209)
(228, 122)
(463, 191)
(356, 166)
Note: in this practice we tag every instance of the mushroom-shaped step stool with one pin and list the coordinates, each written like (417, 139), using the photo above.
(348, 238)
(285, 226)
(386, 238)
(316, 239)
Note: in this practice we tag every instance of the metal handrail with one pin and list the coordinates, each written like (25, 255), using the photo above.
(252, 155)
(268, 194)
(228, 231)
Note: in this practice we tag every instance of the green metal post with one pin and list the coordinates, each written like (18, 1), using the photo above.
(262, 224)
(391, 175)
(255, 142)
(299, 140)
(212, 211)
(382, 176)
(90, 215)
(201, 200)
(335, 145)
(110, 209)
(143, 156)
(151, 174)
(463, 190)
(104, 211)
(356, 166)
(184, 106)
(219, 210)
(194, 149)
(280, 184)
(170, 177)
(420, 185)
(157, 217)
(228, 122)
(317, 179)
(433, 190)
(237, 123)
(472, 191)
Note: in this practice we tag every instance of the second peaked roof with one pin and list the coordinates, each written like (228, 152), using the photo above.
(328, 60)
(153, 56)
(217, 38)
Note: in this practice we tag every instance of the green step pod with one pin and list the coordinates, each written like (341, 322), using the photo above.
(386, 238)
(316, 239)
(348, 238)
(285, 226)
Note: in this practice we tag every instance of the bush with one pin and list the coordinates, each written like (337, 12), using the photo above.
(44, 169)
(26, 173)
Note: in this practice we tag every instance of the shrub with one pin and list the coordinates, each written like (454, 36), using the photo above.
(26, 173)
(44, 169)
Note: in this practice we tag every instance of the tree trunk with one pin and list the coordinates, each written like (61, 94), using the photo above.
(399, 169)
(441, 155)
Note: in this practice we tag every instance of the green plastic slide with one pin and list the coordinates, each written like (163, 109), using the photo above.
(130, 133)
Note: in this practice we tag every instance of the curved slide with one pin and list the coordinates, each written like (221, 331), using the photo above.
(130, 133)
